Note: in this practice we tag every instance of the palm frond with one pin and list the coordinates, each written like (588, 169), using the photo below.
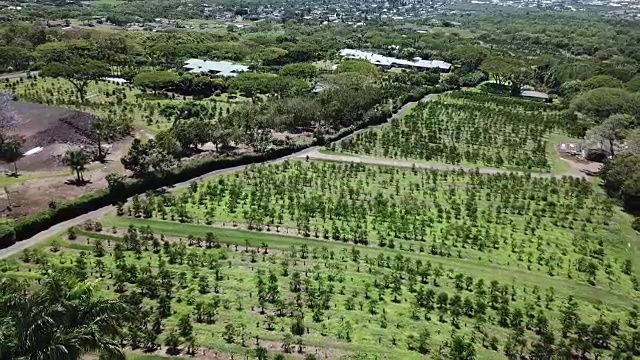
(62, 321)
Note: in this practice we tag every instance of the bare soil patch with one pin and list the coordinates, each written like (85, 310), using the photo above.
(35, 195)
(53, 129)
(42, 125)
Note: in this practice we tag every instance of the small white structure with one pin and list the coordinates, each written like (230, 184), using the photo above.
(33, 151)
(385, 61)
(116, 80)
(571, 148)
(535, 95)
(218, 68)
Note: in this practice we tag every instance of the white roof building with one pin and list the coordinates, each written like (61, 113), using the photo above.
(382, 60)
(534, 94)
(220, 68)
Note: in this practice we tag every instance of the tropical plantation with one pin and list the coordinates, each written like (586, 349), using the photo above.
(261, 189)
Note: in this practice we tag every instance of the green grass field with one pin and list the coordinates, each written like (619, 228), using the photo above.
(8, 180)
(345, 258)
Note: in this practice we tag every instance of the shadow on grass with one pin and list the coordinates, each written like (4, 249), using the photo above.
(77, 182)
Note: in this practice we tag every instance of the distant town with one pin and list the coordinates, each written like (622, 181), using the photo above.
(352, 12)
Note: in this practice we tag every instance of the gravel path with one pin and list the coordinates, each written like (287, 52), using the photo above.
(21, 245)
(405, 163)
(18, 75)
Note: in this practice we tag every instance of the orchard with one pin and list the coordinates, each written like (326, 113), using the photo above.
(121, 101)
(466, 128)
(294, 296)
(559, 227)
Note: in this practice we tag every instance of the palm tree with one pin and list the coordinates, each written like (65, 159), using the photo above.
(63, 320)
(77, 159)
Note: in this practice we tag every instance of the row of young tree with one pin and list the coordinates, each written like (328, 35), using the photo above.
(304, 285)
(476, 129)
(422, 210)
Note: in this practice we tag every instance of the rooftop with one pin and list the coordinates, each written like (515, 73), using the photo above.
(221, 68)
(382, 60)
(534, 94)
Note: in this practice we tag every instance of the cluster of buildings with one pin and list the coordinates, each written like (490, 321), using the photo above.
(387, 62)
(230, 69)
(359, 12)
(354, 12)
(626, 9)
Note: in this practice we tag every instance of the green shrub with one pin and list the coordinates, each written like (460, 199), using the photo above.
(72, 233)
(29, 226)
(7, 235)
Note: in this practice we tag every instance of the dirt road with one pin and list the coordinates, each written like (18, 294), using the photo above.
(403, 163)
(21, 245)
(312, 153)
(19, 75)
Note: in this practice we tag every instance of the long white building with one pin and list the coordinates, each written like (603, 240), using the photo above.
(218, 68)
(387, 62)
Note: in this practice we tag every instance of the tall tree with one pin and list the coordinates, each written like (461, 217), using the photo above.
(146, 158)
(632, 141)
(610, 131)
(156, 80)
(621, 179)
(14, 58)
(300, 70)
(79, 72)
(600, 103)
(498, 68)
(520, 74)
(601, 81)
(358, 66)
(8, 117)
(103, 129)
(10, 151)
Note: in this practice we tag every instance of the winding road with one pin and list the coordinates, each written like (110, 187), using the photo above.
(317, 155)
(311, 152)
(41, 236)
